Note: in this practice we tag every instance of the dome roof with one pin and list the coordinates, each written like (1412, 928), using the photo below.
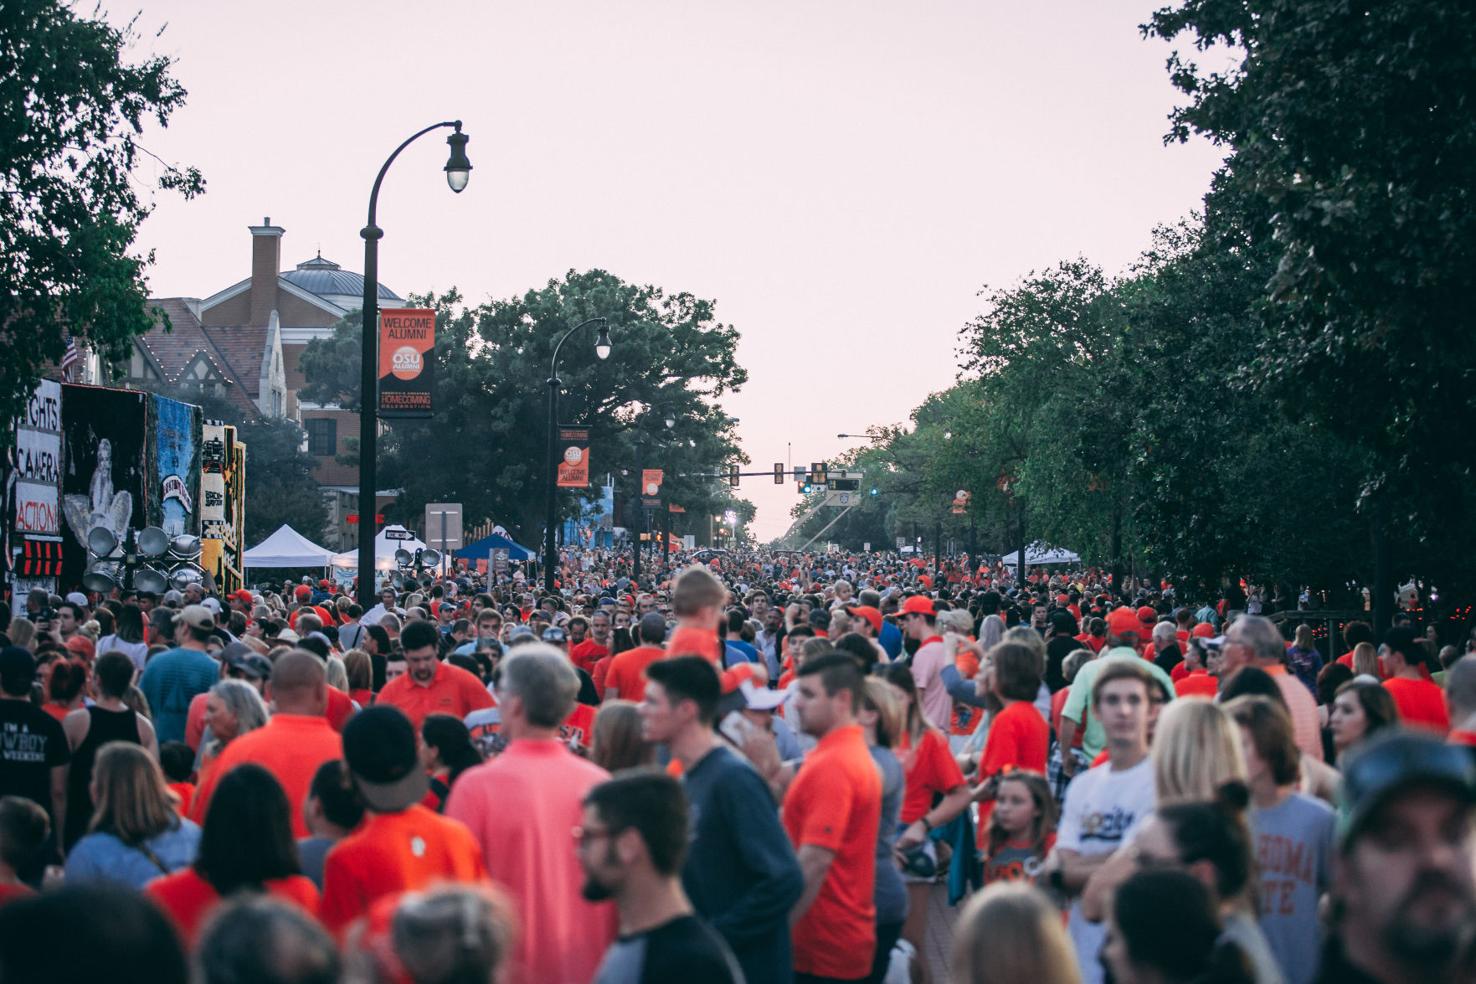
(327, 279)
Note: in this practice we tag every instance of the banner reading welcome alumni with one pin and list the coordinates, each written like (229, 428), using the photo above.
(407, 338)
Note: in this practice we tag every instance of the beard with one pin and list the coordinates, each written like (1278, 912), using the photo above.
(1418, 939)
(594, 891)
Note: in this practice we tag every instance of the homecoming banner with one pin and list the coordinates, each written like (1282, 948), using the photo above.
(407, 343)
(573, 457)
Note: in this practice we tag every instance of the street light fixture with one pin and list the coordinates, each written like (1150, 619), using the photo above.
(458, 172)
(602, 351)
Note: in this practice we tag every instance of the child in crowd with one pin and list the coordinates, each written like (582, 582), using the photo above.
(1022, 828)
(178, 763)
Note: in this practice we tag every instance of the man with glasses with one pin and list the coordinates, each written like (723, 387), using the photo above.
(631, 844)
(1256, 641)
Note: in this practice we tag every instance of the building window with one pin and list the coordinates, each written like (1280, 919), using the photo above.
(322, 435)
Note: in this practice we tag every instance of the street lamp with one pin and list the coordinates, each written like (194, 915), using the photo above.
(602, 351)
(458, 172)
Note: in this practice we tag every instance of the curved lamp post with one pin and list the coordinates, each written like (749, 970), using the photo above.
(602, 350)
(458, 172)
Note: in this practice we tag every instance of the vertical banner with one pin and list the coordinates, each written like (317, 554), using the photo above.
(174, 454)
(31, 531)
(407, 342)
(651, 487)
(221, 462)
(106, 475)
(573, 457)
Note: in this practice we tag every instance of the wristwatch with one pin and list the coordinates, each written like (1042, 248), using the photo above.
(926, 824)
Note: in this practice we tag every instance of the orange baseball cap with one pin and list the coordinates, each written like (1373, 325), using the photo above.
(918, 605)
(1123, 619)
(867, 612)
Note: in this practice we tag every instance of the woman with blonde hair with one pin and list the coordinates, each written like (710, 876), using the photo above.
(1366, 661)
(1196, 750)
(1010, 932)
(359, 669)
(617, 743)
(335, 674)
(136, 833)
(232, 709)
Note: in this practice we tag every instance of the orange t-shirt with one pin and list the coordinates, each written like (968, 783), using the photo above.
(289, 746)
(688, 640)
(1018, 738)
(1197, 684)
(627, 673)
(929, 768)
(835, 803)
(395, 852)
(187, 898)
(1421, 704)
(451, 691)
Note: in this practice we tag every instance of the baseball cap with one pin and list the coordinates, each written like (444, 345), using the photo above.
(917, 605)
(243, 596)
(758, 698)
(520, 633)
(239, 656)
(18, 665)
(287, 635)
(198, 617)
(555, 634)
(302, 591)
(380, 750)
(1393, 761)
(1203, 630)
(1147, 614)
(1123, 619)
(77, 598)
(867, 612)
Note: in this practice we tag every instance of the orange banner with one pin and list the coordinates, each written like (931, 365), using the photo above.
(407, 342)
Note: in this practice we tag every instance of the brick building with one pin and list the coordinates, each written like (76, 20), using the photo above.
(245, 342)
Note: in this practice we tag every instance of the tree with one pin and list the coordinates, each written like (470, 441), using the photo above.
(1351, 125)
(486, 445)
(71, 110)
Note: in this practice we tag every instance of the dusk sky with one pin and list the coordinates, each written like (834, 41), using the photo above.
(841, 178)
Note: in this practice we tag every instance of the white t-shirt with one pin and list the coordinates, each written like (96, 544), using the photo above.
(136, 651)
(1102, 806)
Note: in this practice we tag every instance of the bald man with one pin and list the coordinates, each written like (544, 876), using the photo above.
(292, 745)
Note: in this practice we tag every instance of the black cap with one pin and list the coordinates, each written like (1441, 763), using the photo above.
(17, 667)
(381, 752)
(1394, 760)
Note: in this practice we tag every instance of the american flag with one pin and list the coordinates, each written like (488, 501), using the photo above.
(71, 357)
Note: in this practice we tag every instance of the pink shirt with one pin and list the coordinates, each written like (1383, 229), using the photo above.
(927, 664)
(523, 807)
(1306, 725)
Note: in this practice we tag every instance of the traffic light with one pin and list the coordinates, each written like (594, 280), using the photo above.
(806, 488)
(875, 491)
(817, 473)
(778, 473)
(733, 476)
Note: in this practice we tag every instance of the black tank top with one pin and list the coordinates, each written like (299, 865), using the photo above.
(104, 726)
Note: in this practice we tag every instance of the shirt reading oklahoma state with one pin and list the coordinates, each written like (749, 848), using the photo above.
(395, 852)
(835, 803)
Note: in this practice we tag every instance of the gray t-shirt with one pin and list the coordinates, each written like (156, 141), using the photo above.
(1293, 845)
(891, 892)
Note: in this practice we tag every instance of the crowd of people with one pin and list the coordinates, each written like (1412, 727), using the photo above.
(762, 768)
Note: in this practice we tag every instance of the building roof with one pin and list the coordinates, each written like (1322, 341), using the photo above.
(174, 351)
(326, 278)
(244, 348)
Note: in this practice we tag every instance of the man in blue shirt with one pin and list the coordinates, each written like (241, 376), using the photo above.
(741, 873)
(735, 649)
(174, 677)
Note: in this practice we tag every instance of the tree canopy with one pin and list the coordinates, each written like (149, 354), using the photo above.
(72, 108)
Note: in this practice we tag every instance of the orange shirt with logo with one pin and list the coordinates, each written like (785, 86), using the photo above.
(391, 853)
(187, 898)
(289, 746)
(451, 691)
(834, 803)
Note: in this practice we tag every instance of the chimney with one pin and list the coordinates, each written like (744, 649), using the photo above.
(266, 261)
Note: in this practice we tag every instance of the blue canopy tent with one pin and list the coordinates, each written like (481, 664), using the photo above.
(480, 549)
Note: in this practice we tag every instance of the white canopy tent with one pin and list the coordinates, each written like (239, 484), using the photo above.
(1038, 553)
(385, 544)
(287, 548)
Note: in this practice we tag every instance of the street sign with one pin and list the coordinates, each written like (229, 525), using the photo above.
(443, 526)
(651, 501)
(841, 498)
(866, 547)
(398, 533)
(901, 542)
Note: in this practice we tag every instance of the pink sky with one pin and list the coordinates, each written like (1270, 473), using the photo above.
(842, 178)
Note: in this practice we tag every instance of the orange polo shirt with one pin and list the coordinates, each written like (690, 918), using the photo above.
(1197, 683)
(451, 691)
(290, 747)
(835, 803)
(187, 898)
(1421, 704)
(391, 853)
